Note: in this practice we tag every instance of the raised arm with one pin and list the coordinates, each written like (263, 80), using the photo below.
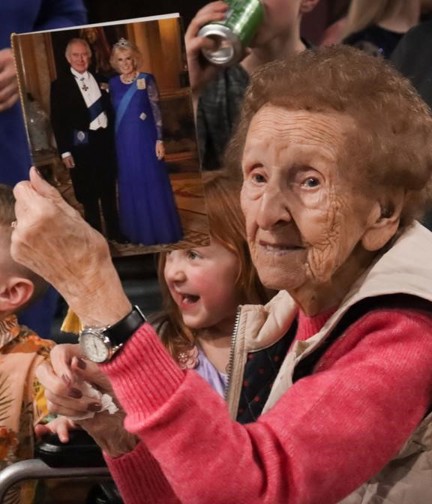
(328, 433)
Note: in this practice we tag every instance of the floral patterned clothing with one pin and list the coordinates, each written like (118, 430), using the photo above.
(22, 401)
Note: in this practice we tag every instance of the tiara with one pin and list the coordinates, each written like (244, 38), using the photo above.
(122, 43)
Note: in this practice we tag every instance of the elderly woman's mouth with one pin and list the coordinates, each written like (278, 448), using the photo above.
(279, 248)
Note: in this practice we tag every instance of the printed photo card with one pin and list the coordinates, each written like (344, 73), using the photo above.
(110, 123)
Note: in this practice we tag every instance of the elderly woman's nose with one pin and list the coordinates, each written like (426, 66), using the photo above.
(273, 209)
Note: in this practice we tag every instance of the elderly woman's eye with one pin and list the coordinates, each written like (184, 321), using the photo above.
(258, 178)
(311, 182)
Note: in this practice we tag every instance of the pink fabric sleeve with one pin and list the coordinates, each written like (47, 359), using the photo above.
(139, 478)
(329, 433)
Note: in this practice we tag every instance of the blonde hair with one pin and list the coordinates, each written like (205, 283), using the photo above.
(227, 226)
(122, 46)
(364, 13)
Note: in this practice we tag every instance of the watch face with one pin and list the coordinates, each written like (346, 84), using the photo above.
(94, 347)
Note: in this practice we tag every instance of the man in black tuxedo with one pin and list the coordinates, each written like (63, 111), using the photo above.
(81, 117)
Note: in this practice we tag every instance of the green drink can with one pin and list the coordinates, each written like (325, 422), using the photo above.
(234, 34)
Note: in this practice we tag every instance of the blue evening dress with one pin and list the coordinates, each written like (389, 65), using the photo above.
(148, 214)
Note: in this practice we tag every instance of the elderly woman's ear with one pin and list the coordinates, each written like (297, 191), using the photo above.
(384, 220)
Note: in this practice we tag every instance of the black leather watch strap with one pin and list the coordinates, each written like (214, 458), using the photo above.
(122, 330)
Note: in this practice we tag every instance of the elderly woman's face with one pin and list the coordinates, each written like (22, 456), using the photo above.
(304, 218)
(125, 61)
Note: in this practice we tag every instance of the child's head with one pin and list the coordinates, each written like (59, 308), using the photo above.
(18, 285)
(203, 286)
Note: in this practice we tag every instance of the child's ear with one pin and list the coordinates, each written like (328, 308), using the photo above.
(14, 293)
(384, 222)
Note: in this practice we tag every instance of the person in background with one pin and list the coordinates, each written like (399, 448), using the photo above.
(19, 17)
(203, 287)
(148, 212)
(337, 11)
(218, 93)
(377, 27)
(413, 58)
(330, 194)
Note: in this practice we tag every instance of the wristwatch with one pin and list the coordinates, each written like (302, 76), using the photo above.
(99, 344)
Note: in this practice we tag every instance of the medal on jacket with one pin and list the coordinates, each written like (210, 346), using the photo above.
(141, 83)
(84, 86)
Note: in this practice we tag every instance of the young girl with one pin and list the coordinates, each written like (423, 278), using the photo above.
(203, 287)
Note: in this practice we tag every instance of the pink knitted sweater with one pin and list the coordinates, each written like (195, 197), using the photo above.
(329, 433)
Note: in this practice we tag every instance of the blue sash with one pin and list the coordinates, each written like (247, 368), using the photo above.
(124, 103)
(96, 109)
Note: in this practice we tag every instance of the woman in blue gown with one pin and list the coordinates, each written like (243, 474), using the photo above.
(148, 214)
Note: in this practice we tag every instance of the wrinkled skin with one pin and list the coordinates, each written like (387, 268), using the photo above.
(66, 396)
(306, 221)
(310, 231)
(52, 239)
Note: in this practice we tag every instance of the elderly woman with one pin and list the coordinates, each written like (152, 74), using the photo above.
(336, 155)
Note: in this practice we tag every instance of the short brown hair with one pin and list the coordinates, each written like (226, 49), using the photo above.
(7, 216)
(391, 147)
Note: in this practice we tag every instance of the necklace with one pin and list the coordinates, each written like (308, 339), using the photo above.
(128, 80)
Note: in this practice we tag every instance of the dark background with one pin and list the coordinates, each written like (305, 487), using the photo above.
(101, 11)
(111, 10)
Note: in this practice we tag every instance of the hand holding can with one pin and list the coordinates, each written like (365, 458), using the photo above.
(234, 34)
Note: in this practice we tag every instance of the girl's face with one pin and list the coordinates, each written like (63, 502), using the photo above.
(202, 284)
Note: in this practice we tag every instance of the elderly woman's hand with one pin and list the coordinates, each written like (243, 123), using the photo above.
(8, 80)
(52, 239)
(66, 380)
